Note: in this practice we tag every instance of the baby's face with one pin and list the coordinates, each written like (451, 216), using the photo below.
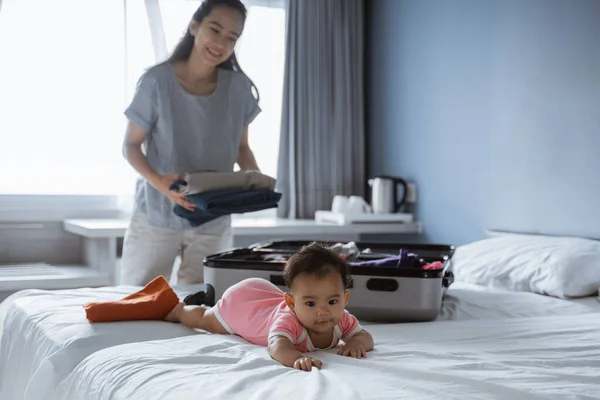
(319, 302)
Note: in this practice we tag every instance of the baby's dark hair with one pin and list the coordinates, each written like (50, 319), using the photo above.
(315, 259)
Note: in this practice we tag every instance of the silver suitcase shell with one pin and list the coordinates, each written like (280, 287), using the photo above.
(378, 294)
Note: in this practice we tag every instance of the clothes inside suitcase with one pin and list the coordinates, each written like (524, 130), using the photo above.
(387, 293)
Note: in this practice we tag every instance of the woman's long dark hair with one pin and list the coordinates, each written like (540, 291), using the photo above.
(183, 50)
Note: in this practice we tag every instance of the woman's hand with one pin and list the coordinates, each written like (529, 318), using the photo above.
(305, 363)
(163, 183)
(132, 150)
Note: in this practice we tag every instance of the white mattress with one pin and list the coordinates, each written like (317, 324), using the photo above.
(523, 358)
(46, 334)
(465, 301)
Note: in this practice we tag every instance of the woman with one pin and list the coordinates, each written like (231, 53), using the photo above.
(190, 114)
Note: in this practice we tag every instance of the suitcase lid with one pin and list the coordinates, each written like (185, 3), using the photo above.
(273, 255)
(424, 250)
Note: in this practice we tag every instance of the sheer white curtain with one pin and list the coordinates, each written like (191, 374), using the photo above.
(69, 69)
(61, 97)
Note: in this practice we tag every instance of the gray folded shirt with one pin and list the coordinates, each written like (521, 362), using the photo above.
(242, 180)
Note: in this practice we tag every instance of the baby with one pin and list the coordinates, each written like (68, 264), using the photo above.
(310, 316)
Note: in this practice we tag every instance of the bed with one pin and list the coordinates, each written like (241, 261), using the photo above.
(49, 350)
(529, 358)
(46, 334)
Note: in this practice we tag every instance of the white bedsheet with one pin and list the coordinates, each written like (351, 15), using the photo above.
(465, 301)
(46, 334)
(523, 358)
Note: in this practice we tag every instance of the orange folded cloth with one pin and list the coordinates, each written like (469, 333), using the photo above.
(153, 302)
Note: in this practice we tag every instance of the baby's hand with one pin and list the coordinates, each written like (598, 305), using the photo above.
(353, 348)
(305, 363)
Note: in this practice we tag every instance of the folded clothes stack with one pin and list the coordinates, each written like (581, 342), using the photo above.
(201, 182)
(216, 194)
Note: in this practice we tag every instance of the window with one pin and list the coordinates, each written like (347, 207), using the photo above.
(69, 70)
(61, 97)
(262, 56)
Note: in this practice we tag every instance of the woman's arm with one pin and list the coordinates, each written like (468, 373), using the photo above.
(246, 158)
(132, 151)
(282, 350)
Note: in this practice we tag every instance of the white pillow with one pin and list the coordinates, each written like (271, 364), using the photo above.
(555, 266)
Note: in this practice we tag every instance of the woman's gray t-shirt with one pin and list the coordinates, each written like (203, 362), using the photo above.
(188, 133)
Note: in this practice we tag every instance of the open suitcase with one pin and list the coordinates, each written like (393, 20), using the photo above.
(378, 294)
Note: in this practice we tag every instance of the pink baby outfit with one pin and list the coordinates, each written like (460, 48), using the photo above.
(255, 310)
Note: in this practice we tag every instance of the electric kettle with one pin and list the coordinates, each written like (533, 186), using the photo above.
(384, 194)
